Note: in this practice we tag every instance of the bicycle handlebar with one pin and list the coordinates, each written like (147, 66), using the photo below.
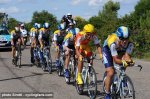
(140, 66)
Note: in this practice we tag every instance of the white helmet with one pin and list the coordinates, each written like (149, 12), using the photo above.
(16, 28)
(46, 25)
(22, 25)
(38, 26)
(71, 24)
(69, 14)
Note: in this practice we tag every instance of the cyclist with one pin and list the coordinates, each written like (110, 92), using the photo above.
(44, 39)
(34, 42)
(67, 19)
(16, 37)
(117, 49)
(24, 32)
(68, 45)
(70, 19)
(58, 40)
(32, 31)
(83, 49)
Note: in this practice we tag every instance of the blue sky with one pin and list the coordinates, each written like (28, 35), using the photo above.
(23, 10)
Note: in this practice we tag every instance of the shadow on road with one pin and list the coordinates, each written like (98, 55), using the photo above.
(28, 65)
(33, 74)
(5, 50)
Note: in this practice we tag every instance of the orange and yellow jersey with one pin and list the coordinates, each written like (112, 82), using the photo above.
(81, 39)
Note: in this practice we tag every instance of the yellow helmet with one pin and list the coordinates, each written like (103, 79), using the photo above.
(89, 28)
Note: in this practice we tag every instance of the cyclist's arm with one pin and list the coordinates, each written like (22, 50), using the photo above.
(21, 37)
(40, 39)
(34, 38)
(12, 41)
(127, 55)
(97, 43)
(55, 40)
(99, 49)
(66, 44)
(114, 54)
(78, 47)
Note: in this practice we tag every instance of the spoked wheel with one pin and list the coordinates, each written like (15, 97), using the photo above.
(72, 72)
(18, 59)
(79, 88)
(49, 65)
(114, 95)
(113, 88)
(127, 88)
(37, 62)
(15, 61)
(92, 83)
(59, 71)
(43, 66)
(67, 80)
(104, 78)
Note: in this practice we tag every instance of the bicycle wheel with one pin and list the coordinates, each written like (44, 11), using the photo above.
(48, 64)
(113, 87)
(127, 88)
(61, 65)
(79, 88)
(91, 82)
(71, 71)
(18, 57)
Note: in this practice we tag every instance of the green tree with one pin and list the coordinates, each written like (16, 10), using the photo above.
(107, 21)
(12, 22)
(80, 22)
(44, 16)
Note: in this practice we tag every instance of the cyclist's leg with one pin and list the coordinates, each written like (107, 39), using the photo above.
(108, 62)
(80, 66)
(88, 54)
(13, 53)
(41, 51)
(57, 55)
(21, 41)
(58, 50)
(31, 51)
(13, 48)
(67, 60)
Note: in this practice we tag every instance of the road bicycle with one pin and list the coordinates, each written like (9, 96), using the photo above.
(60, 71)
(72, 67)
(47, 59)
(122, 86)
(36, 53)
(89, 81)
(17, 59)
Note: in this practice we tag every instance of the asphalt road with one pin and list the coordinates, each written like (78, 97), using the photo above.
(30, 79)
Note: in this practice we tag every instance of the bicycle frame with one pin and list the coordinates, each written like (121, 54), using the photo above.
(122, 74)
(72, 63)
(121, 69)
(18, 53)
